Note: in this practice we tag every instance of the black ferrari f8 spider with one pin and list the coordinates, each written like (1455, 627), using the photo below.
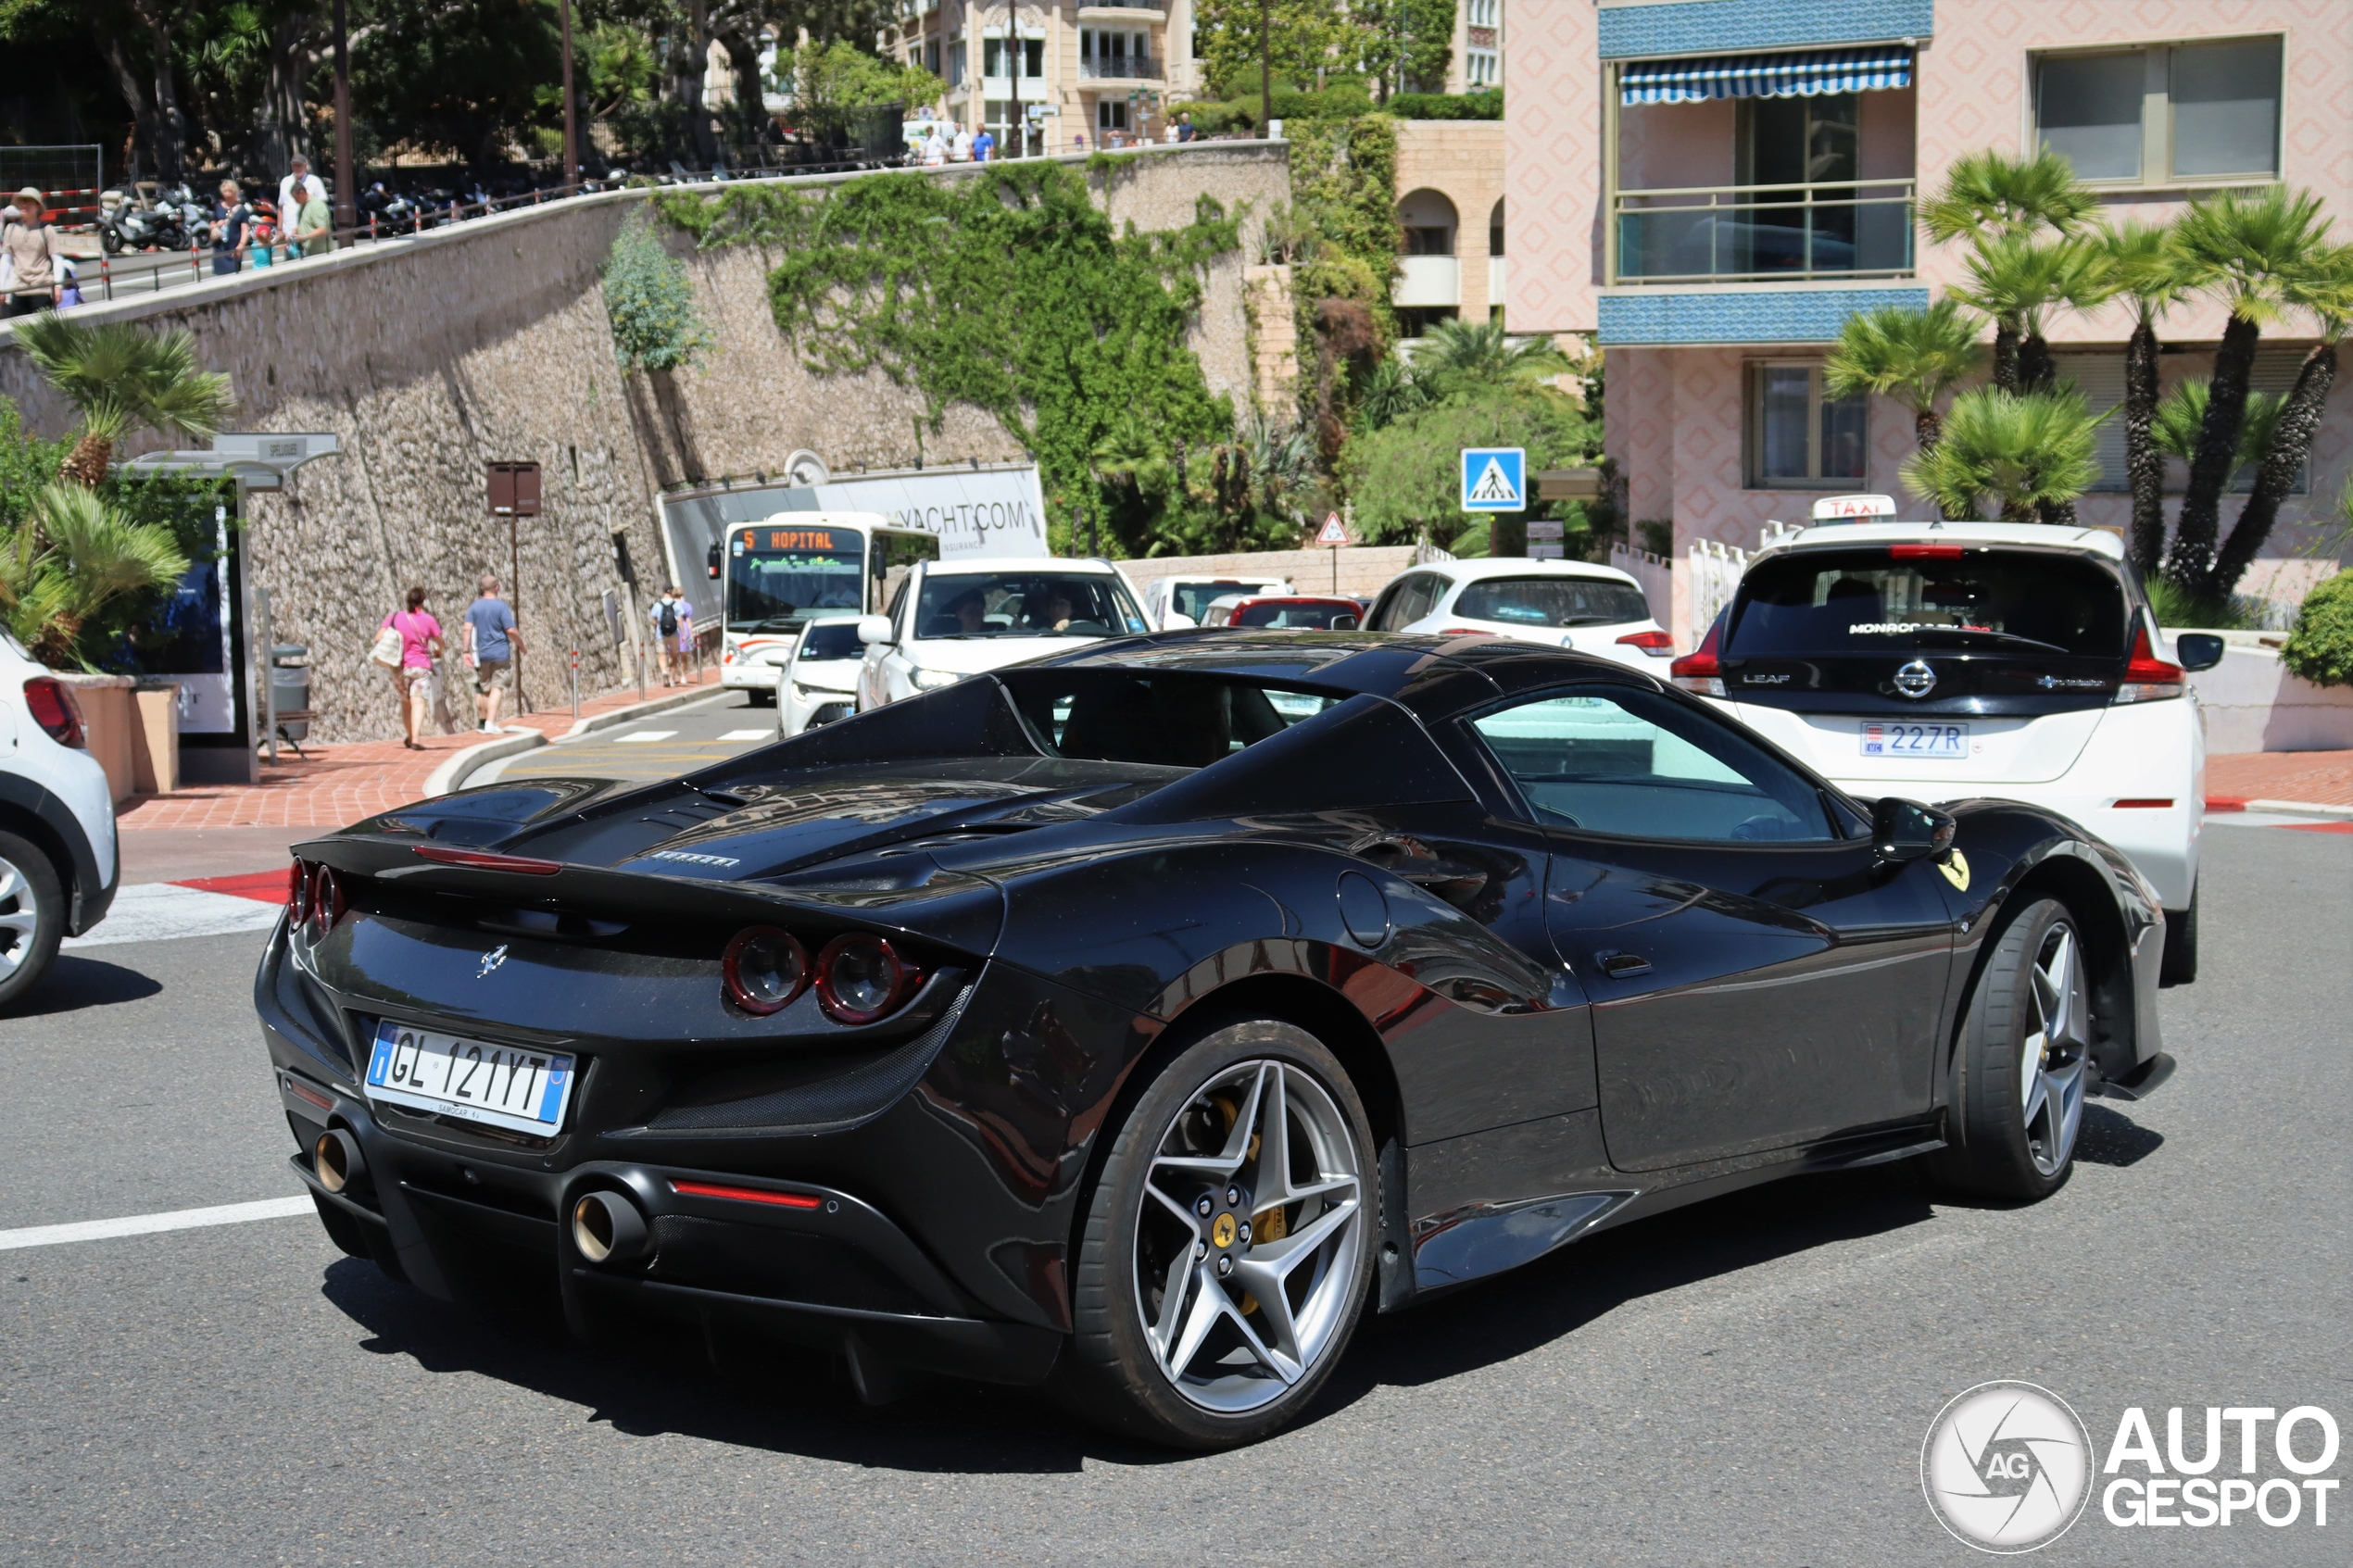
(1134, 1019)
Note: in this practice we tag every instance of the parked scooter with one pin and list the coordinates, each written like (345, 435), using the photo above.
(129, 224)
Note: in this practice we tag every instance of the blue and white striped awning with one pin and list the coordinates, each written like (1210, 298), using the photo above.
(1765, 76)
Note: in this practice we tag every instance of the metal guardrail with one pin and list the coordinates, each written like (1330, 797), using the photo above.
(1857, 228)
(1133, 69)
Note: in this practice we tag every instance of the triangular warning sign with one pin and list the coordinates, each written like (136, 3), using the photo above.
(1333, 532)
(1492, 485)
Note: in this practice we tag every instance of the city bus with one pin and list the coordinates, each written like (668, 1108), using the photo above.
(776, 575)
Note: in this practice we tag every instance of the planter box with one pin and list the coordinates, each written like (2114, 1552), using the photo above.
(133, 728)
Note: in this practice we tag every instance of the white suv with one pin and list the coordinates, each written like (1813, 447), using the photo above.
(58, 862)
(1946, 659)
(1595, 610)
(951, 618)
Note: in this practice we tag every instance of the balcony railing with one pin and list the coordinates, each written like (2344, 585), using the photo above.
(1428, 280)
(1729, 233)
(1133, 68)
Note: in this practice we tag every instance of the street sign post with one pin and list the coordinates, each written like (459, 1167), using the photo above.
(1494, 479)
(1335, 534)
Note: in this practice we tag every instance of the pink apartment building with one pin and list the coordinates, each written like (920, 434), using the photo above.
(1709, 188)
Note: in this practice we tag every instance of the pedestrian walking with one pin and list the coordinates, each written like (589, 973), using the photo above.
(411, 679)
(30, 247)
(1185, 131)
(264, 234)
(669, 617)
(935, 149)
(296, 189)
(492, 638)
(961, 150)
(984, 145)
(314, 231)
(232, 227)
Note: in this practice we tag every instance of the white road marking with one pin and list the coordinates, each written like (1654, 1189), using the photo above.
(749, 735)
(147, 1225)
(155, 911)
(644, 735)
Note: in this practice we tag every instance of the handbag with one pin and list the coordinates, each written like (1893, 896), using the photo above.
(385, 649)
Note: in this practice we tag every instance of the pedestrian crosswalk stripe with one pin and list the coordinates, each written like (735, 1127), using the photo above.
(748, 734)
(644, 735)
(147, 1224)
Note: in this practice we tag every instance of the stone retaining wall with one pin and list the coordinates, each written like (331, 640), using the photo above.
(488, 341)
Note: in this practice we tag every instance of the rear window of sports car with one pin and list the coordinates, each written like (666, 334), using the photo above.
(1165, 718)
(1874, 600)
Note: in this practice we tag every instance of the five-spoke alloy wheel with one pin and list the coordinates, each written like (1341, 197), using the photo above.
(1228, 1242)
(2020, 1067)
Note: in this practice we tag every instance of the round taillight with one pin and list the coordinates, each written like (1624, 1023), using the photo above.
(297, 894)
(326, 903)
(764, 969)
(860, 978)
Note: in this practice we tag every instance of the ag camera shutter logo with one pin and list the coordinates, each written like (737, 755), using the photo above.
(2007, 1467)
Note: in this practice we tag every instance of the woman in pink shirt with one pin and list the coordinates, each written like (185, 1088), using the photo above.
(419, 646)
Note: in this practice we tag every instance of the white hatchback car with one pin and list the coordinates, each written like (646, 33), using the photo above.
(951, 618)
(819, 681)
(1938, 660)
(58, 869)
(1595, 610)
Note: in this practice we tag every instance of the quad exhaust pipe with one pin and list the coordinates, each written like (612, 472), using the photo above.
(337, 1160)
(607, 1228)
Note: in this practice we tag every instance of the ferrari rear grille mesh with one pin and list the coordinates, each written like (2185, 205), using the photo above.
(866, 1090)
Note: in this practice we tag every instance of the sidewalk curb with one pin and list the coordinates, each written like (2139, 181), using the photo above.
(638, 710)
(452, 775)
(2300, 808)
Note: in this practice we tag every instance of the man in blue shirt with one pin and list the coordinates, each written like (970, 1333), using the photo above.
(492, 640)
(984, 146)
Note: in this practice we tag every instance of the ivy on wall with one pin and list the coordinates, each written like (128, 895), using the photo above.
(1009, 291)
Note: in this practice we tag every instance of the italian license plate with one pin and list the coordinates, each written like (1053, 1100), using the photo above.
(509, 1087)
(1928, 742)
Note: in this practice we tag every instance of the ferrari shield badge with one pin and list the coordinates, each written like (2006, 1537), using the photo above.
(1954, 865)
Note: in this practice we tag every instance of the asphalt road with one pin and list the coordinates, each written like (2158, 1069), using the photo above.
(659, 747)
(1745, 1382)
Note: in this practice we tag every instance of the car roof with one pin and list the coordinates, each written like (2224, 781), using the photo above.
(1285, 600)
(1090, 565)
(1435, 675)
(2089, 541)
(1474, 569)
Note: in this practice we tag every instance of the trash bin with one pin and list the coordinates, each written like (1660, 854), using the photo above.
(290, 689)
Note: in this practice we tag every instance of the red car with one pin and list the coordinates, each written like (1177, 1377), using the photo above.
(1312, 612)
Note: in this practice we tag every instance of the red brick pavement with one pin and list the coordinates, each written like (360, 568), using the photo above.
(337, 783)
(2316, 778)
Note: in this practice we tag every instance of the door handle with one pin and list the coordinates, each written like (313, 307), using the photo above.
(1618, 966)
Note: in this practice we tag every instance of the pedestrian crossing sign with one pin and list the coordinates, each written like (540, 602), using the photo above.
(1494, 479)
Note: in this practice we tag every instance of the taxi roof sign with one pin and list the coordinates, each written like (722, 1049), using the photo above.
(1854, 509)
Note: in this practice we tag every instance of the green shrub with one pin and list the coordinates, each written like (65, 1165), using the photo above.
(656, 324)
(2176, 606)
(1445, 106)
(2320, 648)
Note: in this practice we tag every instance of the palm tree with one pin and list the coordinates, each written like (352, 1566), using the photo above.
(2256, 252)
(119, 379)
(1992, 195)
(1482, 354)
(2325, 290)
(2145, 270)
(2017, 279)
(77, 554)
(2031, 452)
(1914, 357)
(1390, 394)
(2181, 414)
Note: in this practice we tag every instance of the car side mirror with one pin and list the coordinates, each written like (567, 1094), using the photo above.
(1344, 624)
(2198, 651)
(874, 629)
(1175, 618)
(1905, 830)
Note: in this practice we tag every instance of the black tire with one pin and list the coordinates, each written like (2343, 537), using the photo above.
(2007, 1138)
(33, 918)
(2180, 964)
(1110, 1374)
(110, 241)
(763, 699)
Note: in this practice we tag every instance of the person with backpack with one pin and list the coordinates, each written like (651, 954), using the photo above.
(668, 616)
(31, 246)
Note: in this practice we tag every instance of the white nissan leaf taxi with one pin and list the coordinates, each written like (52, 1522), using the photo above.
(1941, 660)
